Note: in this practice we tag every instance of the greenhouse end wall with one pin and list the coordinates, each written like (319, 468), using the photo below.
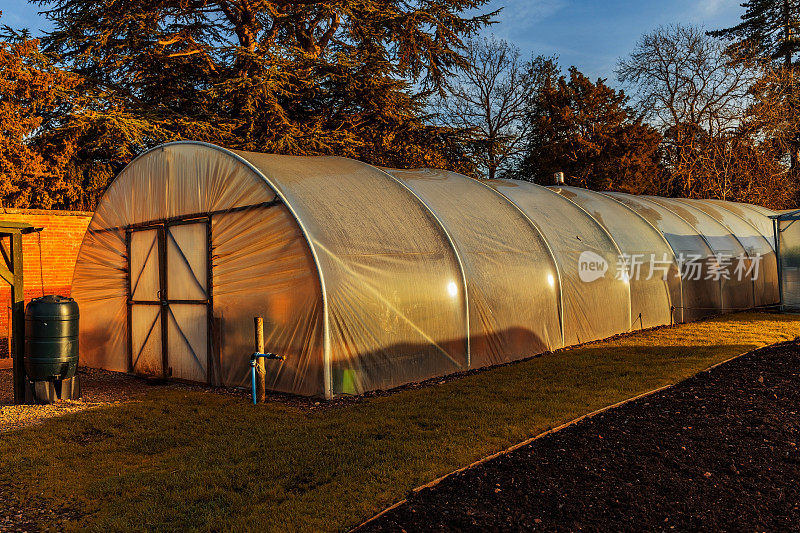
(373, 278)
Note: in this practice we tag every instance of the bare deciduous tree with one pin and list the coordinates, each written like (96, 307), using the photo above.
(489, 99)
(768, 30)
(682, 76)
(687, 84)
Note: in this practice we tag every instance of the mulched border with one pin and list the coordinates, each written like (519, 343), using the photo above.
(516, 489)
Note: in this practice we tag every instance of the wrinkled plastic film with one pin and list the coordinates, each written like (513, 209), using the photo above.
(370, 279)
(393, 283)
(758, 218)
(593, 309)
(263, 267)
(511, 277)
(174, 181)
(737, 290)
(99, 285)
(762, 259)
(655, 283)
(701, 297)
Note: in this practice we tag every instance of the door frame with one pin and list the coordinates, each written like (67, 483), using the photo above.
(161, 227)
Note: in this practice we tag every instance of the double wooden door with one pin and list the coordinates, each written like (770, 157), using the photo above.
(169, 301)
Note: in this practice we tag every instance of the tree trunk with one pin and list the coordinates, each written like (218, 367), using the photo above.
(787, 33)
(794, 171)
(794, 146)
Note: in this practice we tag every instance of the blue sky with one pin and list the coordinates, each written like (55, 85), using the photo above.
(594, 34)
(590, 34)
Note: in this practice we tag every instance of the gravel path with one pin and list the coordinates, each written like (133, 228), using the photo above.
(720, 451)
(99, 387)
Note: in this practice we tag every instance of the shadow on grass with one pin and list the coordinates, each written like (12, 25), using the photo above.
(180, 459)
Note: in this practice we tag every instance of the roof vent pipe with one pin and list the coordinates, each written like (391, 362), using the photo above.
(558, 178)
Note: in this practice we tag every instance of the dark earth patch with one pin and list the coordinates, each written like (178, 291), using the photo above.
(718, 451)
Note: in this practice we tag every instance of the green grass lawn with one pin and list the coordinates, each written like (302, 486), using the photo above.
(182, 459)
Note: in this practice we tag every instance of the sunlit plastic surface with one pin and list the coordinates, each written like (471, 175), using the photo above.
(512, 280)
(371, 278)
(394, 288)
(653, 270)
(755, 216)
(594, 307)
(262, 266)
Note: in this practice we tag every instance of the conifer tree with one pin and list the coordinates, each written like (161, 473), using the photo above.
(769, 29)
(34, 95)
(586, 130)
(297, 77)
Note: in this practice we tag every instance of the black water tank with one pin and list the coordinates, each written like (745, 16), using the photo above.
(51, 338)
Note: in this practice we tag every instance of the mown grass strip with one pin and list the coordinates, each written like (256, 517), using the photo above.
(182, 459)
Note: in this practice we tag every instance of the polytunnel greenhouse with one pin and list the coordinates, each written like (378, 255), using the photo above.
(371, 278)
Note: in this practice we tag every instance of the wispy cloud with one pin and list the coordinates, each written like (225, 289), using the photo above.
(528, 12)
(708, 8)
(520, 20)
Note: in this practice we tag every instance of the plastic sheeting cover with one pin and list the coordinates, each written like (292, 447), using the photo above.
(185, 180)
(701, 297)
(368, 278)
(512, 280)
(737, 290)
(396, 307)
(758, 248)
(654, 278)
(593, 307)
(757, 217)
(262, 266)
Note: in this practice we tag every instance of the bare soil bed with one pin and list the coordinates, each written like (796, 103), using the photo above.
(718, 451)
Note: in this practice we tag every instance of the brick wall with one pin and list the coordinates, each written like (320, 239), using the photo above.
(57, 245)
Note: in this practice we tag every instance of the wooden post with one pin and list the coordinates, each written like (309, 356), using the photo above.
(18, 319)
(163, 296)
(261, 369)
(10, 333)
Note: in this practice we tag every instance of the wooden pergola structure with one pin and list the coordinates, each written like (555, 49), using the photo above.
(11, 273)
